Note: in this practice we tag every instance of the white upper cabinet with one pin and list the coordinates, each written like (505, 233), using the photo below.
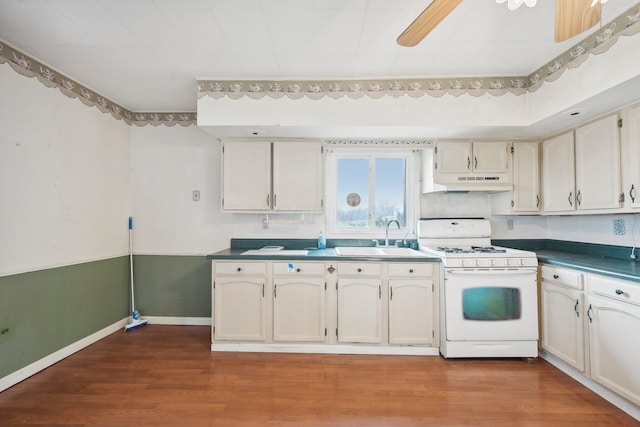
(458, 157)
(558, 173)
(272, 176)
(297, 176)
(526, 177)
(630, 149)
(598, 165)
(525, 197)
(246, 176)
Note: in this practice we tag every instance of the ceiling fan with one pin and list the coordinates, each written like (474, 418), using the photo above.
(572, 18)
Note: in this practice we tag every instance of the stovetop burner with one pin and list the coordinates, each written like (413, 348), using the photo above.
(471, 250)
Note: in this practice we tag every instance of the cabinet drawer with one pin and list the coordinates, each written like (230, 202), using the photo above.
(562, 276)
(359, 269)
(410, 270)
(244, 268)
(620, 290)
(298, 268)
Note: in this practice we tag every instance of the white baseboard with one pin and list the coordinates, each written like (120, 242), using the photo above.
(325, 349)
(166, 320)
(37, 366)
(595, 387)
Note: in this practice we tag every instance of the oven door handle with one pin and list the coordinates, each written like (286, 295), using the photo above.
(494, 272)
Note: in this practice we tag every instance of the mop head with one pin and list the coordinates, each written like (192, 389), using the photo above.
(136, 322)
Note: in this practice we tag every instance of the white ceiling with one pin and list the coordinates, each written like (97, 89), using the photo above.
(146, 55)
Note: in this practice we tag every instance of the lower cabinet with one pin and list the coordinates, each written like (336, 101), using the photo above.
(299, 302)
(563, 315)
(289, 305)
(359, 303)
(411, 311)
(239, 302)
(614, 322)
(595, 331)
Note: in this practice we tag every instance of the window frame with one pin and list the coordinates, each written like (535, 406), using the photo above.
(412, 197)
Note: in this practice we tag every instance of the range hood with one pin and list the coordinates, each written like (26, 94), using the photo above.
(461, 183)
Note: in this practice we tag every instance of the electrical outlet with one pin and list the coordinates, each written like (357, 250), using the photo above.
(619, 227)
(196, 195)
(509, 224)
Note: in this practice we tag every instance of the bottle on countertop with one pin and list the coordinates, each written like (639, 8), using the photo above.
(322, 242)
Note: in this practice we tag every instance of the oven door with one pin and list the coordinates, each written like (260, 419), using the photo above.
(491, 304)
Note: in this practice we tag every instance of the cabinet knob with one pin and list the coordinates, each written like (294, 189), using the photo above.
(239, 269)
(411, 270)
(555, 276)
(619, 292)
(298, 270)
(359, 270)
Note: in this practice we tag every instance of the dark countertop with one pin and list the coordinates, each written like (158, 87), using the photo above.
(328, 254)
(612, 267)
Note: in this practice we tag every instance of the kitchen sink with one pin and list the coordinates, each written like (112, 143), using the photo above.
(376, 251)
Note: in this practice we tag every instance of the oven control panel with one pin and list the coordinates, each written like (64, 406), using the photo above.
(493, 262)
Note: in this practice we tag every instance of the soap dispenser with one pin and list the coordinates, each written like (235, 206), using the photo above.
(322, 242)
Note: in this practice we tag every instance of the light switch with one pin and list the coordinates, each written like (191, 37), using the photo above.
(196, 195)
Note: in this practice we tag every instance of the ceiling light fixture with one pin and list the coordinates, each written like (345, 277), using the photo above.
(514, 4)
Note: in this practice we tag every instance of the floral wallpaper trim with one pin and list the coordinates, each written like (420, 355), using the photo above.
(599, 42)
(418, 143)
(29, 67)
(626, 24)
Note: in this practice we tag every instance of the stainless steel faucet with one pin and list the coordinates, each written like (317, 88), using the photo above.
(386, 234)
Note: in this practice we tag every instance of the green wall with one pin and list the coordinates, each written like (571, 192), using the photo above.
(174, 286)
(47, 310)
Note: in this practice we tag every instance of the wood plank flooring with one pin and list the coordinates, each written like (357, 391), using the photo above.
(167, 376)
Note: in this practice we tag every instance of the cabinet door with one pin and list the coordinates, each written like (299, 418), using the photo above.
(359, 310)
(453, 157)
(297, 176)
(246, 176)
(598, 165)
(563, 324)
(410, 311)
(490, 157)
(298, 309)
(239, 308)
(615, 346)
(630, 155)
(558, 174)
(526, 177)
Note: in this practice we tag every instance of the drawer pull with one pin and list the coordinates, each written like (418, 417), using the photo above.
(555, 276)
(575, 308)
(239, 269)
(619, 292)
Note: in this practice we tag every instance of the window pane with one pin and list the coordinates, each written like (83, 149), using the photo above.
(353, 193)
(390, 191)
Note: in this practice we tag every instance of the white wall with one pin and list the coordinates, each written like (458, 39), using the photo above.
(64, 178)
(576, 228)
(168, 163)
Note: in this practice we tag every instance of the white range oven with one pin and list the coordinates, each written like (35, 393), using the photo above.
(488, 294)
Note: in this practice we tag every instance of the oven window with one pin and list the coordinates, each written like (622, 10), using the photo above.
(491, 303)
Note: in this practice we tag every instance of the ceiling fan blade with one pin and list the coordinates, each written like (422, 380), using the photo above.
(575, 16)
(427, 21)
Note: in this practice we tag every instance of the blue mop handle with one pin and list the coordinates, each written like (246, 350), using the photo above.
(130, 223)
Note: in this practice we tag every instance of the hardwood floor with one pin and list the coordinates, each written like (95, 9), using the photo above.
(167, 375)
